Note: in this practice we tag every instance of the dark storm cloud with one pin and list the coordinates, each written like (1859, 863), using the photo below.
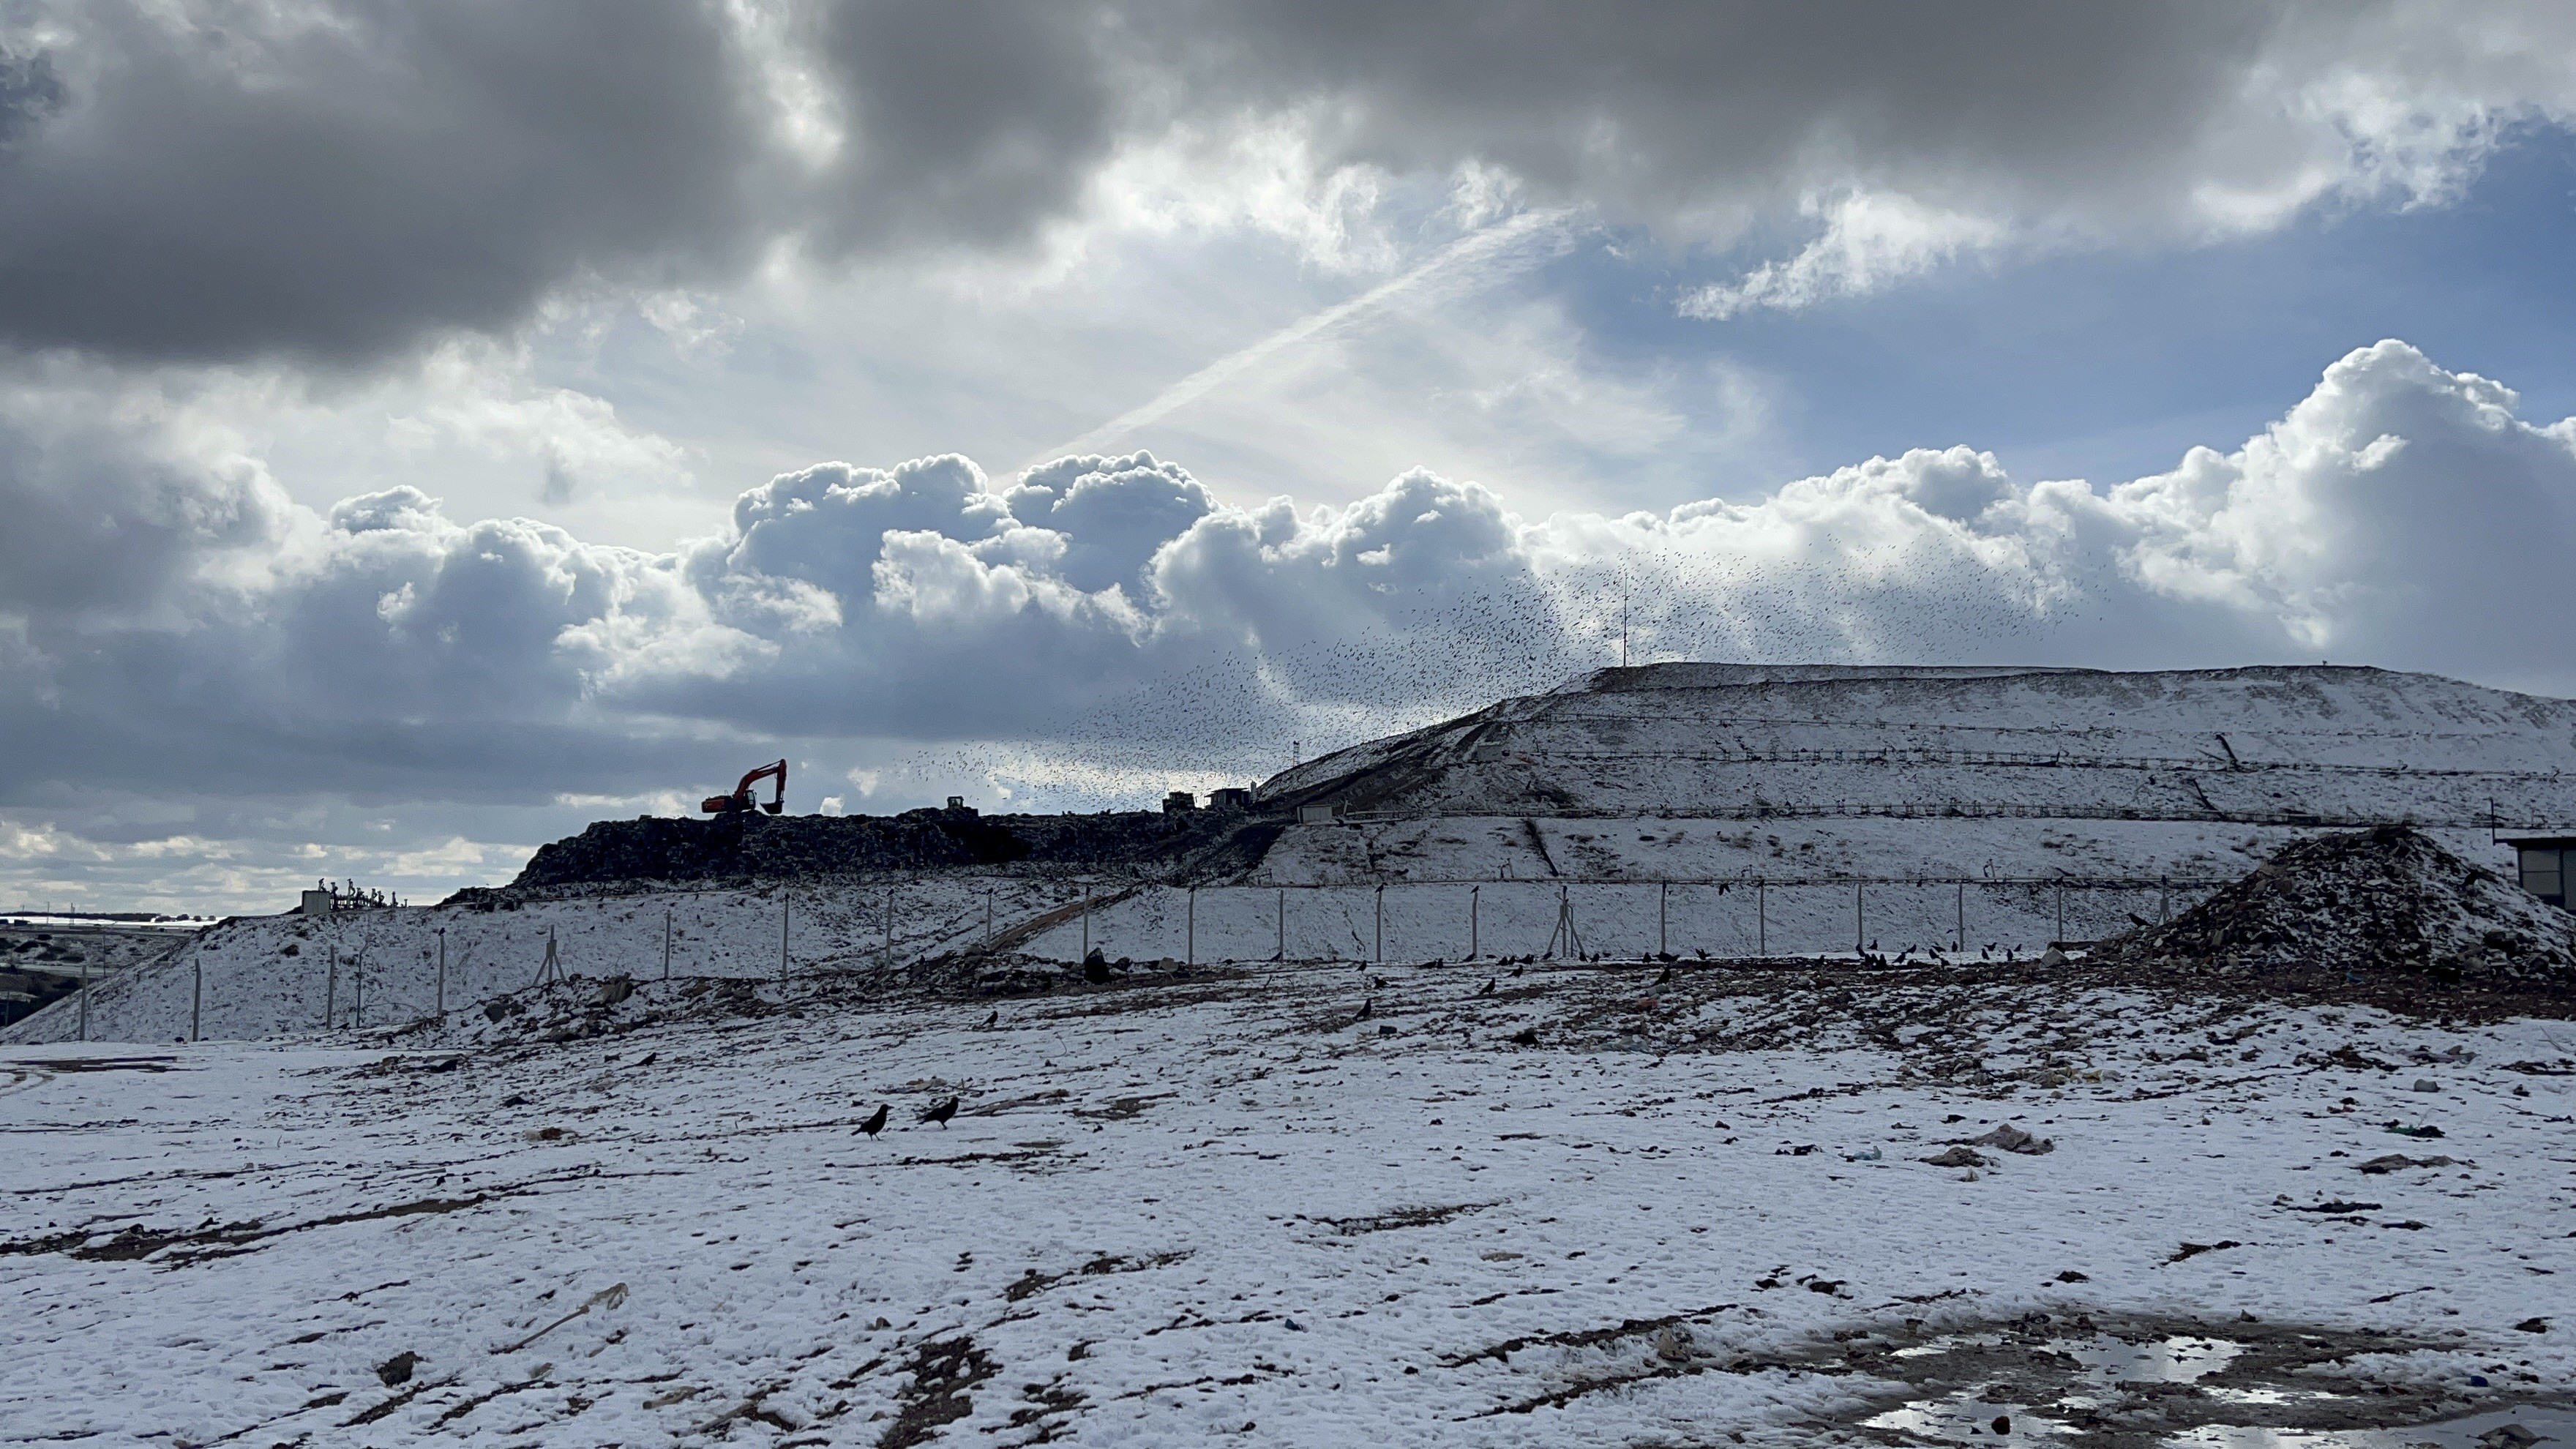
(253, 180)
(332, 181)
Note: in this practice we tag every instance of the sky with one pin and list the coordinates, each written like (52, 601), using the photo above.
(424, 430)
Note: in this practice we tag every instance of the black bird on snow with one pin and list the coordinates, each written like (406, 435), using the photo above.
(1488, 988)
(876, 1121)
(1666, 979)
(1378, 981)
(1367, 1008)
(995, 1017)
(2139, 921)
(1517, 970)
(1526, 1036)
(941, 1112)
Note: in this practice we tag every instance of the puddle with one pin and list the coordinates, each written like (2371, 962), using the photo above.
(2176, 1385)
(2554, 1425)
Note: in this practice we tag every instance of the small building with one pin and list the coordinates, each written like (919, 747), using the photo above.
(1232, 797)
(957, 806)
(316, 903)
(1178, 801)
(2546, 861)
(1322, 813)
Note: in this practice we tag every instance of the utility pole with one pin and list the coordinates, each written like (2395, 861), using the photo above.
(1761, 917)
(666, 943)
(1190, 930)
(84, 1011)
(1860, 926)
(988, 918)
(1086, 923)
(331, 980)
(1663, 918)
(1282, 957)
(1473, 893)
(197, 998)
(786, 906)
(442, 968)
(1378, 953)
(1963, 916)
(2061, 911)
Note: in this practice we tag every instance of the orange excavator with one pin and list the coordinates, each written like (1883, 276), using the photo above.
(741, 799)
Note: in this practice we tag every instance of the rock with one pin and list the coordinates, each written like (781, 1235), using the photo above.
(2013, 1139)
(2052, 957)
(397, 1370)
(2427, 1084)
(1959, 1156)
(2533, 1325)
(2508, 1436)
(2399, 1162)
(1675, 1344)
(616, 989)
(2071, 1276)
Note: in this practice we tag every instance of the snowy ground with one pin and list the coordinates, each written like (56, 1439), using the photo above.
(1191, 1209)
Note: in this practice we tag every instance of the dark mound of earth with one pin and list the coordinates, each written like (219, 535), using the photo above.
(2384, 907)
(766, 847)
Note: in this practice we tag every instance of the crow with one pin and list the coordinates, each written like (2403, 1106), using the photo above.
(1517, 970)
(2139, 921)
(1488, 988)
(1378, 981)
(941, 1112)
(1666, 979)
(1366, 1008)
(876, 1121)
(993, 1019)
(1526, 1036)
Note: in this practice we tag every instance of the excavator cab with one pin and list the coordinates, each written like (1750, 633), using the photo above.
(741, 799)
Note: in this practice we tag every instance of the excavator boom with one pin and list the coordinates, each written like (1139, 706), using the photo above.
(741, 799)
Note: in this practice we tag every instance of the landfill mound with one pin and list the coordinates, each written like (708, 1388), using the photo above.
(750, 846)
(2386, 907)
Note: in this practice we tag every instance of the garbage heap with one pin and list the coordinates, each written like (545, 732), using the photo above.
(2384, 906)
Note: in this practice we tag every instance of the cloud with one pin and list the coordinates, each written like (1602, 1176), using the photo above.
(338, 181)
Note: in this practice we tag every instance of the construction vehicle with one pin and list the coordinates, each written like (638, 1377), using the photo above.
(741, 799)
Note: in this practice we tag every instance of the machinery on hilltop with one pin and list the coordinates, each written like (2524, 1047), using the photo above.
(741, 799)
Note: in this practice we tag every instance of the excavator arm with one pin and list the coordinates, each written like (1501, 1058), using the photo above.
(741, 799)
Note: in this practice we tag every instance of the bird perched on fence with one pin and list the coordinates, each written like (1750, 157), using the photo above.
(1488, 988)
(876, 1121)
(941, 1112)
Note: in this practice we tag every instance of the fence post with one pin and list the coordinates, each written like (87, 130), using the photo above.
(666, 953)
(2061, 910)
(331, 986)
(1963, 917)
(84, 1011)
(197, 998)
(988, 918)
(786, 905)
(2160, 900)
(442, 960)
(1761, 917)
(1377, 953)
(1475, 896)
(1282, 957)
(1086, 920)
(1860, 926)
(1190, 938)
(1663, 918)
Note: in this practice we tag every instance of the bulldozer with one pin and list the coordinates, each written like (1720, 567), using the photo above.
(741, 799)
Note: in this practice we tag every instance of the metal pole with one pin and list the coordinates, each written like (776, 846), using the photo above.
(666, 951)
(197, 999)
(2061, 912)
(786, 905)
(1761, 917)
(1474, 895)
(889, 927)
(1282, 957)
(1378, 952)
(2160, 900)
(1860, 928)
(1086, 923)
(1190, 941)
(988, 916)
(1663, 918)
(1963, 916)
(84, 1011)
(442, 962)
(331, 988)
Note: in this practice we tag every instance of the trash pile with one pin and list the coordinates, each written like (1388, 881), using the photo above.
(2386, 906)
